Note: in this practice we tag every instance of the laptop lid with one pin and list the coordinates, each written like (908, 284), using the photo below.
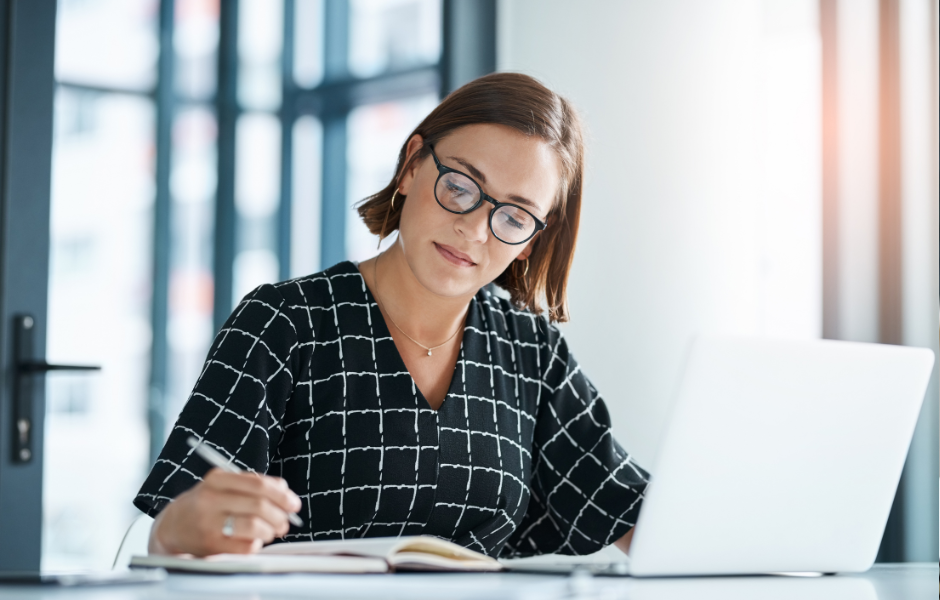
(780, 455)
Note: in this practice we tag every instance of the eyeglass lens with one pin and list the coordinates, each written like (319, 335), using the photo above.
(458, 193)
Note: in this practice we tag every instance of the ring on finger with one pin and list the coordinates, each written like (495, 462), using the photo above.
(228, 527)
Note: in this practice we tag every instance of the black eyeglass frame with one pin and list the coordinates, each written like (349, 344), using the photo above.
(443, 170)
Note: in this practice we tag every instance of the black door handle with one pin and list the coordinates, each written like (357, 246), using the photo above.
(41, 366)
(26, 368)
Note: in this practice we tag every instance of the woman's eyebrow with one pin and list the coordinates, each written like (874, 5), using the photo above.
(473, 170)
(526, 201)
(479, 175)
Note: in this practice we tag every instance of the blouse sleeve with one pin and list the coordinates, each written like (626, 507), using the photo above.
(586, 490)
(238, 401)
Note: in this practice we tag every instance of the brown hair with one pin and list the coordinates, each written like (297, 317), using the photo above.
(523, 103)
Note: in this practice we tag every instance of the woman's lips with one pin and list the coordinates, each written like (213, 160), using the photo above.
(453, 256)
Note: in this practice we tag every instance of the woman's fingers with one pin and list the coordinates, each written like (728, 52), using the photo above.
(273, 489)
(233, 545)
(246, 528)
(244, 508)
(197, 521)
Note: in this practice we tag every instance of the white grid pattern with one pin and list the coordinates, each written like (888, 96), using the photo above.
(304, 381)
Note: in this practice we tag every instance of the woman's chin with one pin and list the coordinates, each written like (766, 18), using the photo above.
(450, 282)
(451, 289)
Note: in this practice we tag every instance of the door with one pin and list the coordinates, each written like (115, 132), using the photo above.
(27, 34)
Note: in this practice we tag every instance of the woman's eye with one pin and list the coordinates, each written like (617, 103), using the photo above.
(511, 221)
(456, 190)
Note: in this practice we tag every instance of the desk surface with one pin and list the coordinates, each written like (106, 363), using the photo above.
(883, 582)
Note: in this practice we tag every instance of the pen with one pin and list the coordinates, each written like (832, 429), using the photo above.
(215, 459)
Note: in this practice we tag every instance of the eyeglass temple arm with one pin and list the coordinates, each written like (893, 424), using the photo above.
(434, 156)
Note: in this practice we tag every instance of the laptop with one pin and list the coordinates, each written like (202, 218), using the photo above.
(780, 456)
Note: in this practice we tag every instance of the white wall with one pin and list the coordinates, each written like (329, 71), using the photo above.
(921, 267)
(702, 204)
(856, 311)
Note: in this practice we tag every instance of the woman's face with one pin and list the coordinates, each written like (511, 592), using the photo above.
(455, 255)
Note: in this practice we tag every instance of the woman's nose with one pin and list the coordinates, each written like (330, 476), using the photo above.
(474, 226)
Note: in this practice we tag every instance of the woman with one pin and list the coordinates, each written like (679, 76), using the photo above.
(401, 396)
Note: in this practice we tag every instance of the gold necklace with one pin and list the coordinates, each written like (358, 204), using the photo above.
(375, 282)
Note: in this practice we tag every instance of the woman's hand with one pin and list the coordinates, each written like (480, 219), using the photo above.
(193, 523)
(624, 542)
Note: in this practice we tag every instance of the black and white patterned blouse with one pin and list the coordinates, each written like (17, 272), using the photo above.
(304, 381)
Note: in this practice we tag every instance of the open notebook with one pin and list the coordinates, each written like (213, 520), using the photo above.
(368, 555)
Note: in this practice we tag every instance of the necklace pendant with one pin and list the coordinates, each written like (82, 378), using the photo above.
(429, 353)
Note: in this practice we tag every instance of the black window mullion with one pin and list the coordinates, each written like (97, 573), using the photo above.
(287, 116)
(335, 109)
(333, 219)
(108, 89)
(225, 216)
(350, 92)
(336, 40)
(165, 109)
(469, 42)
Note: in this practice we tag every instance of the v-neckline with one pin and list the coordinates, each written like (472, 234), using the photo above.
(370, 298)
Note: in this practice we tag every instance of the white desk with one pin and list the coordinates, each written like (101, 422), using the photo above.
(884, 582)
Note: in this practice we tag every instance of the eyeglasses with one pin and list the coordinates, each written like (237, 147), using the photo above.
(460, 194)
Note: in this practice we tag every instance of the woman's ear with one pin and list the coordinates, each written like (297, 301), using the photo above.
(527, 250)
(407, 177)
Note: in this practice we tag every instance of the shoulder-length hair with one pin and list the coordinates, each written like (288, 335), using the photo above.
(523, 103)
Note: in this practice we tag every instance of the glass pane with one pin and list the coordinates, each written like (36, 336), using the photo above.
(99, 313)
(308, 42)
(193, 185)
(109, 43)
(306, 191)
(376, 135)
(196, 44)
(260, 38)
(391, 35)
(257, 195)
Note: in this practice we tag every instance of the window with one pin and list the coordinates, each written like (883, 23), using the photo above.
(203, 147)
(102, 222)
